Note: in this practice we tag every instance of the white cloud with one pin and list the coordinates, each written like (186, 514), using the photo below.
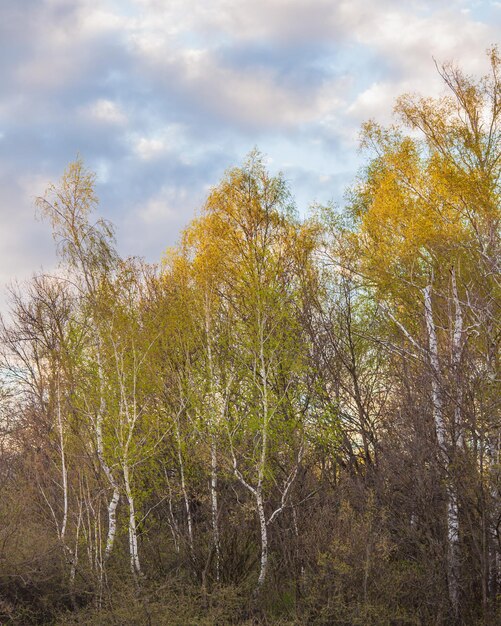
(148, 149)
(162, 207)
(405, 37)
(156, 223)
(254, 97)
(410, 41)
(96, 20)
(107, 112)
(374, 102)
(149, 90)
(164, 139)
(25, 243)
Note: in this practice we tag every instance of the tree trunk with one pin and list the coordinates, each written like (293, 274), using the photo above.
(452, 518)
(113, 503)
(214, 507)
(133, 547)
(187, 506)
(264, 540)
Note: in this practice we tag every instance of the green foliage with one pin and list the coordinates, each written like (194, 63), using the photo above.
(314, 402)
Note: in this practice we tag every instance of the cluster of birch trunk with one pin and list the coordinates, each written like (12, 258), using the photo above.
(293, 405)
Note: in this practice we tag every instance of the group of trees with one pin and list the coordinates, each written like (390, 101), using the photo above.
(288, 420)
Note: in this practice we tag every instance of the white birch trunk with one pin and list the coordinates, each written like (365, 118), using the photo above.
(133, 544)
(453, 549)
(70, 555)
(74, 557)
(214, 506)
(264, 540)
(435, 373)
(64, 471)
(457, 349)
(112, 523)
(216, 412)
(262, 464)
(189, 519)
(113, 503)
(452, 508)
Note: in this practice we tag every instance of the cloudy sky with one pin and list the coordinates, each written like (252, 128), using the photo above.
(159, 97)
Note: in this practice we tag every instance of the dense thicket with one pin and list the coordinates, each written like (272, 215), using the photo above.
(288, 421)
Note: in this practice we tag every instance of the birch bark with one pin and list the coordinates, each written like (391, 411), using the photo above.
(440, 429)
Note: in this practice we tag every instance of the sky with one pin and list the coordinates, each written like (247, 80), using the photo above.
(160, 97)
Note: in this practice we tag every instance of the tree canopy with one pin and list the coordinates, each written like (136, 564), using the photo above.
(287, 420)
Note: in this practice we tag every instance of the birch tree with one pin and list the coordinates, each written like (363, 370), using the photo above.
(246, 218)
(426, 208)
(86, 249)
